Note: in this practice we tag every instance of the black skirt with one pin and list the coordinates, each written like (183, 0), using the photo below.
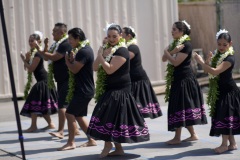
(186, 106)
(41, 100)
(226, 118)
(146, 99)
(116, 118)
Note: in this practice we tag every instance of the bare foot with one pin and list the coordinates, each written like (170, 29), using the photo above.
(56, 134)
(117, 153)
(30, 130)
(66, 147)
(51, 126)
(221, 149)
(106, 150)
(88, 144)
(232, 147)
(192, 138)
(173, 141)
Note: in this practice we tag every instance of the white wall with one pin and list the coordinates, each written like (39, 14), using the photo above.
(151, 19)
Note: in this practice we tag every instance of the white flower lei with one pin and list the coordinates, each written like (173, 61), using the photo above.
(182, 39)
(81, 45)
(131, 41)
(71, 82)
(220, 60)
(179, 42)
(33, 52)
(55, 45)
(113, 50)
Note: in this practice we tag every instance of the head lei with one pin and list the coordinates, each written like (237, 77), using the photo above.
(39, 33)
(220, 32)
(107, 26)
(188, 25)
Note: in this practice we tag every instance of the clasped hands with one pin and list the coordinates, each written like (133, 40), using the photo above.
(200, 59)
(174, 51)
(104, 52)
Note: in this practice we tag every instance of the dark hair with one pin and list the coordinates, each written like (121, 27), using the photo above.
(225, 36)
(77, 33)
(35, 36)
(62, 26)
(129, 31)
(181, 26)
(115, 27)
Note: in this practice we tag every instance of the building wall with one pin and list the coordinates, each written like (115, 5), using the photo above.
(151, 19)
(202, 17)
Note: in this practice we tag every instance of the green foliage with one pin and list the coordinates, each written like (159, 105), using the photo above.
(169, 80)
(71, 87)
(71, 80)
(213, 92)
(100, 83)
(50, 80)
(170, 68)
(28, 85)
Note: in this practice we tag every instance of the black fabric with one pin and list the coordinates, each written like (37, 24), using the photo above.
(226, 76)
(84, 83)
(120, 78)
(184, 68)
(79, 105)
(141, 87)
(186, 106)
(84, 78)
(136, 70)
(116, 117)
(226, 119)
(60, 68)
(40, 73)
(146, 99)
(62, 89)
(41, 100)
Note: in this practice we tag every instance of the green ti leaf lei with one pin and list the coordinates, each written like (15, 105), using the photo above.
(101, 74)
(50, 76)
(29, 77)
(71, 81)
(213, 92)
(170, 68)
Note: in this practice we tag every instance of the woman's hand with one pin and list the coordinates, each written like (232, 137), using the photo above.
(198, 58)
(106, 52)
(100, 51)
(46, 40)
(22, 57)
(209, 58)
(177, 49)
(28, 56)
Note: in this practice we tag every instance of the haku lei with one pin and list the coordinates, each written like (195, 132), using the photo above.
(29, 77)
(53, 47)
(131, 41)
(213, 92)
(101, 74)
(170, 67)
(71, 81)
